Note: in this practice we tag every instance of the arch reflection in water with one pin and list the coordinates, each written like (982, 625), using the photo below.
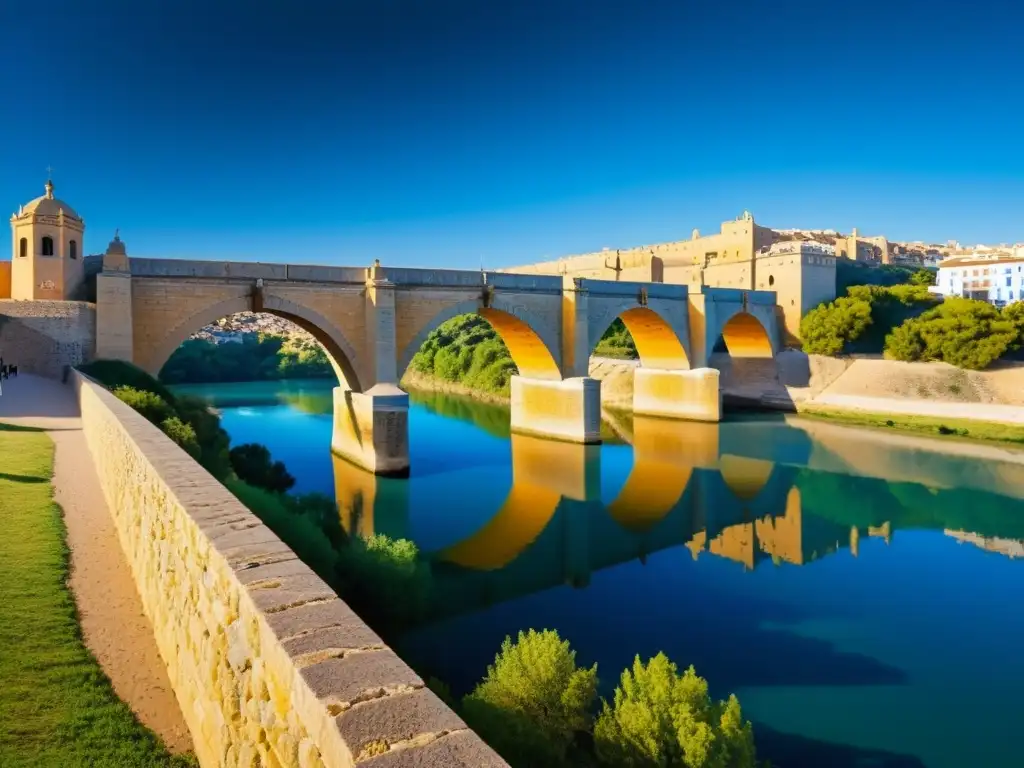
(704, 486)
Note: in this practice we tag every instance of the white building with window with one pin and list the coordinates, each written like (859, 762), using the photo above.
(998, 280)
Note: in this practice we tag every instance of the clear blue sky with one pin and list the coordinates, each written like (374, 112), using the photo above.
(443, 132)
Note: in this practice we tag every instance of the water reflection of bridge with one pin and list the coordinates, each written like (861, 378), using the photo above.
(692, 484)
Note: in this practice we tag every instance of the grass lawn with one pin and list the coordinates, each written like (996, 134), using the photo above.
(57, 708)
(936, 426)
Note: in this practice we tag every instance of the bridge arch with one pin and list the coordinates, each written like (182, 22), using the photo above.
(745, 335)
(658, 344)
(339, 351)
(543, 473)
(530, 351)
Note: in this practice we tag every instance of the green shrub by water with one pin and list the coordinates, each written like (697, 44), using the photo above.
(535, 707)
(533, 700)
(661, 718)
(253, 464)
(117, 373)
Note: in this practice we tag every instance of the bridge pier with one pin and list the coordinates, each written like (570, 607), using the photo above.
(371, 429)
(567, 409)
(693, 394)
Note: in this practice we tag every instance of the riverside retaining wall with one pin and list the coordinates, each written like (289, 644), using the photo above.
(269, 667)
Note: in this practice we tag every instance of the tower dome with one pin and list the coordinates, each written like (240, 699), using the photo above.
(48, 258)
(48, 205)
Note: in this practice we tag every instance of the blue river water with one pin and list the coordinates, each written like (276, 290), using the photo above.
(862, 592)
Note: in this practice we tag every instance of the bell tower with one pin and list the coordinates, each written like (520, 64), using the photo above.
(47, 257)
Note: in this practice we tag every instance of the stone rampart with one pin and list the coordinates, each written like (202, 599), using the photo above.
(45, 337)
(268, 665)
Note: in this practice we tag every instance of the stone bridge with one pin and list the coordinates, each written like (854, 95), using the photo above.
(371, 321)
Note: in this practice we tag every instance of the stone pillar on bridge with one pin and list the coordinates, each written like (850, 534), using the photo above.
(570, 408)
(114, 338)
(371, 427)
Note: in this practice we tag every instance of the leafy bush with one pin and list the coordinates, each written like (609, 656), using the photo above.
(467, 350)
(617, 342)
(153, 407)
(183, 435)
(963, 332)
(829, 328)
(385, 579)
(860, 321)
(117, 373)
(213, 441)
(661, 718)
(253, 465)
(533, 700)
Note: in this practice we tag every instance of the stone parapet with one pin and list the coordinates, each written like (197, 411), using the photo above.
(268, 665)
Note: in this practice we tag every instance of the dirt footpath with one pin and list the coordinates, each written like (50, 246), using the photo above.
(110, 611)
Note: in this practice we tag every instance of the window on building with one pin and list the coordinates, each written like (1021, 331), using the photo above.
(23, 247)
(771, 279)
(47, 246)
(73, 249)
(1008, 279)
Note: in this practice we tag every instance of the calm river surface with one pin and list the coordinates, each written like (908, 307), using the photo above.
(861, 592)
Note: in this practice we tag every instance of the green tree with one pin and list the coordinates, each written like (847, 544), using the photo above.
(963, 332)
(533, 701)
(253, 465)
(183, 435)
(153, 407)
(661, 718)
(385, 579)
(923, 277)
(829, 328)
(213, 441)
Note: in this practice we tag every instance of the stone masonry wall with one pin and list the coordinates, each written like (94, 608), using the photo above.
(43, 337)
(269, 666)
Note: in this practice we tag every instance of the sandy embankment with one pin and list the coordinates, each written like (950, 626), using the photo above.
(795, 381)
(868, 384)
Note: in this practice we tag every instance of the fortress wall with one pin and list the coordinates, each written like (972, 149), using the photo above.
(44, 337)
(268, 665)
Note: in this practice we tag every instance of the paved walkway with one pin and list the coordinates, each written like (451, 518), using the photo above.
(113, 624)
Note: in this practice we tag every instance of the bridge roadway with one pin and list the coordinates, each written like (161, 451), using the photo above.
(371, 321)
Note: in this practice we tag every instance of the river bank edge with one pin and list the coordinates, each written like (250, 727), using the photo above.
(950, 429)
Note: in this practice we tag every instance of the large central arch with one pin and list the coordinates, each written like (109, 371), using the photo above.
(339, 351)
